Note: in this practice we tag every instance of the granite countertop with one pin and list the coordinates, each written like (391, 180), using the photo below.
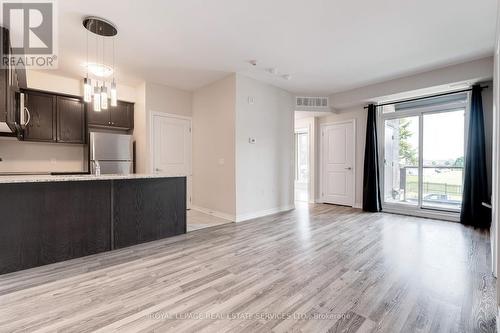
(69, 178)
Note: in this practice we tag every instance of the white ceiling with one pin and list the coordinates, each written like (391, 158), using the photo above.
(327, 46)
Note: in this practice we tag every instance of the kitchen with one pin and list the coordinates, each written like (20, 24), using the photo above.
(67, 169)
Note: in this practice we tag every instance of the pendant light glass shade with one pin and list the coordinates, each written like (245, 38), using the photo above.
(113, 94)
(97, 99)
(104, 97)
(87, 90)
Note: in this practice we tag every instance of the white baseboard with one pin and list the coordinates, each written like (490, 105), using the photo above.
(254, 215)
(358, 205)
(215, 213)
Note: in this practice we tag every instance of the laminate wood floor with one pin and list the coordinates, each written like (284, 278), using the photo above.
(317, 269)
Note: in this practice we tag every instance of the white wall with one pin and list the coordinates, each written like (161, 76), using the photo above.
(419, 84)
(264, 170)
(158, 98)
(214, 187)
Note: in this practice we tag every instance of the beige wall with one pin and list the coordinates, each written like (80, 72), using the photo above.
(40, 157)
(264, 170)
(45, 80)
(141, 130)
(214, 188)
(152, 97)
(161, 98)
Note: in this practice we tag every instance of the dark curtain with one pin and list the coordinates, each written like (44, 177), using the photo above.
(371, 181)
(475, 178)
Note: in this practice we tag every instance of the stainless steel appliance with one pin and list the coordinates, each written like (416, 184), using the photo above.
(111, 153)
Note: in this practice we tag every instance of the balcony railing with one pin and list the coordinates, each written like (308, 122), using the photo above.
(442, 186)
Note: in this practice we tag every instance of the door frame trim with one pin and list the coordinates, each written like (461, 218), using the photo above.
(151, 145)
(321, 167)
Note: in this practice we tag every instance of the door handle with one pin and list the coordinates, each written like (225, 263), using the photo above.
(29, 116)
(158, 170)
(348, 168)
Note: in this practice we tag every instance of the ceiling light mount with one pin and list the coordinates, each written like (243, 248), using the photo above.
(100, 26)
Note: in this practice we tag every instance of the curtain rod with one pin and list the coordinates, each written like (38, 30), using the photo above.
(424, 97)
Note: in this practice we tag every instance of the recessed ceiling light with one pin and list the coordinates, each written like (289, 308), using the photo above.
(273, 70)
(99, 70)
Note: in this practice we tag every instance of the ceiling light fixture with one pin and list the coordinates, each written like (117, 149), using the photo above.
(103, 29)
(273, 70)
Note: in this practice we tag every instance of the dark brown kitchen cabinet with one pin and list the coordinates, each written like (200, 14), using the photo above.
(42, 110)
(99, 118)
(118, 117)
(70, 120)
(122, 115)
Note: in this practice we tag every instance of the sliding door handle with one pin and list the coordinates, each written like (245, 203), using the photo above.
(348, 168)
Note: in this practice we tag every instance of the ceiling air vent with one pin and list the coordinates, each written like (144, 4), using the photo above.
(312, 102)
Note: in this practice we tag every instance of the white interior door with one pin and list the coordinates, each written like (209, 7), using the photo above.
(338, 169)
(172, 148)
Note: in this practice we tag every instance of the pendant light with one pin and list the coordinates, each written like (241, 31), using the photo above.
(97, 99)
(113, 84)
(104, 97)
(98, 94)
(104, 90)
(87, 83)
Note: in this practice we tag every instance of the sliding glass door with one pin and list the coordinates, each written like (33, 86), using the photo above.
(401, 172)
(443, 160)
(423, 156)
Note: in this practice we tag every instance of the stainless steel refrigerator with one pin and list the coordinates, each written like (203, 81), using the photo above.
(113, 153)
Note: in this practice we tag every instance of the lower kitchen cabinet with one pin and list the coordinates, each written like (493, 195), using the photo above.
(141, 215)
(43, 223)
(48, 222)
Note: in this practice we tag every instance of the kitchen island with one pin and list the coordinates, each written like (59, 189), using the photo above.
(47, 219)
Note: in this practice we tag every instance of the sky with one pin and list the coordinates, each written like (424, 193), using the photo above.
(443, 135)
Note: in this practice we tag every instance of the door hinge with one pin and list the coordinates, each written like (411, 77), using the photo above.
(189, 129)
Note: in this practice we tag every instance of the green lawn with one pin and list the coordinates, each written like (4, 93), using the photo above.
(447, 182)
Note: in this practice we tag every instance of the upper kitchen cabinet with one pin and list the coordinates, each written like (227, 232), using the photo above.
(123, 115)
(54, 118)
(120, 117)
(42, 110)
(97, 118)
(70, 120)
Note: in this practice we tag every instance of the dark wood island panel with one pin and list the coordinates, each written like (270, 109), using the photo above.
(43, 223)
(148, 209)
(48, 222)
